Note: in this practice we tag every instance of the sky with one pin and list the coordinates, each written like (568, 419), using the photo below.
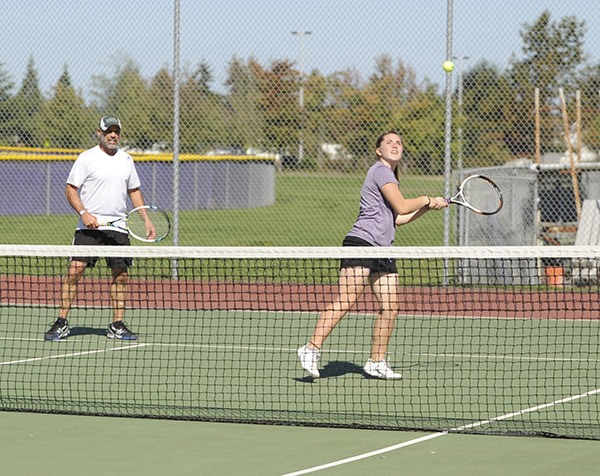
(93, 38)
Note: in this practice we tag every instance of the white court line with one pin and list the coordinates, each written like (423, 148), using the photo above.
(502, 357)
(347, 351)
(351, 352)
(529, 410)
(507, 416)
(364, 455)
(30, 339)
(367, 455)
(400, 355)
(72, 354)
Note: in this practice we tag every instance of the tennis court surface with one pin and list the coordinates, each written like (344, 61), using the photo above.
(484, 343)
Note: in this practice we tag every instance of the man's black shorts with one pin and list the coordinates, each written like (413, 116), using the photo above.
(102, 237)
(376, 265)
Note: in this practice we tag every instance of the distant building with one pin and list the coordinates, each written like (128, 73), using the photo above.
(336, 152)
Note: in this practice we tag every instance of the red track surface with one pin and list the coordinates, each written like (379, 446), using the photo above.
(196, 295)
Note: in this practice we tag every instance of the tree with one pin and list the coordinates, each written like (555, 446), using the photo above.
(27, 104)
(162, 93)
(342, 108)
(589, 87)
(128, 97)
(205, 114)
(421, 123)
(389, 89)
(315, 119)
(7, 107)
(278, 103)
(553, 54)
(64, 121)
(487, 116)
(357, 112)
(244, 98)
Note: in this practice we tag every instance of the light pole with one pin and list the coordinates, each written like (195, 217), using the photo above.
(301, 35)
(459, 60)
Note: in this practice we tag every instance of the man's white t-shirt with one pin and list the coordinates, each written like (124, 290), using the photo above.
(103, 181)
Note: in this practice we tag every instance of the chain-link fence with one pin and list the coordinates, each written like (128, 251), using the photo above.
(269, 144)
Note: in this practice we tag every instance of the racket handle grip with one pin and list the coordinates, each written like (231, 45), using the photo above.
(447, 200)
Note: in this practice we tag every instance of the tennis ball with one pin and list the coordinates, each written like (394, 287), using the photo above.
(448, 66)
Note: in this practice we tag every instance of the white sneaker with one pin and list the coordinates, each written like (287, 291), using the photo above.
(309, 358)
(381, 370)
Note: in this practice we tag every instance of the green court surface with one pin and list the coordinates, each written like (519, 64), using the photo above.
(217, 389)
(66, 445)
(479, 375)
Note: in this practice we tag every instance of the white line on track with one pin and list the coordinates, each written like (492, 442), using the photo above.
(506, 416)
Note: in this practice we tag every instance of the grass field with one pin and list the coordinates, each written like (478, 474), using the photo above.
(309, 210)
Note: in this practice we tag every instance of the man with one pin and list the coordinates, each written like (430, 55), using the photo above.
(97, 188)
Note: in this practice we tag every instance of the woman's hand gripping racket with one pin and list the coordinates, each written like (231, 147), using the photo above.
(480, 194)
(146, 223)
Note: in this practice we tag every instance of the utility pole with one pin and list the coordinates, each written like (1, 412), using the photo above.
(301, 35)
(459, 63)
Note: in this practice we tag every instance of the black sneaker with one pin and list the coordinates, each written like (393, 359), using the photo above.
(118, 330)
(59, 330)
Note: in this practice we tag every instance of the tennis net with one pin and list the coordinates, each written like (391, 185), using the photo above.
(489, 340)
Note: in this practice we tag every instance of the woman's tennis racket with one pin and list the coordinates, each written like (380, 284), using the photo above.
(136, 223)
(480, 194)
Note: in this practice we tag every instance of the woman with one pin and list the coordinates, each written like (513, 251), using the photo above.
(382, 208)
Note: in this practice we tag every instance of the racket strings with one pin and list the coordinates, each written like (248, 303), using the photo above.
(481, 194)
(136, 222)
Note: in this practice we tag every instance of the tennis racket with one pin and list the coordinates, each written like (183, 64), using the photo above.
(136, 223)
(480, 194)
